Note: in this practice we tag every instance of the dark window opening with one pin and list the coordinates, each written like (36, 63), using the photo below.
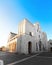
(30, 34)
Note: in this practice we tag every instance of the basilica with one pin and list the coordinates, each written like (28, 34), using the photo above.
(30, 38)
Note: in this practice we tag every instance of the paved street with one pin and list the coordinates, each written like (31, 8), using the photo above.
(42, 59)
(12, 57)
(22, 59)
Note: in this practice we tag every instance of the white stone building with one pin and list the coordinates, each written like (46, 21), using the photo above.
(50, 45)
(30, 38)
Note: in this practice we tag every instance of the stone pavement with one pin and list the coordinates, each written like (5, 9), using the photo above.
(44, 58)
(12, 57)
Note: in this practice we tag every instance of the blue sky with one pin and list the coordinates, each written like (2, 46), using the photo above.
(13, 11)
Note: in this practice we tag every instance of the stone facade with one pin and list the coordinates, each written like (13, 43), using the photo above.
(30, 38)
(50, 45)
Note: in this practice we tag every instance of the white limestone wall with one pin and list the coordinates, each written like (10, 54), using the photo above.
(21, 27)
(19, 42)
(25, 27)
(29, 27)
(38, 35)
(24, 44)
(44, 40)
(38, 32)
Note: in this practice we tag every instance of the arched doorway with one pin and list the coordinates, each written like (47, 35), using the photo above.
(29, 47)
(51, 49)
(36, 46)
(40, 45)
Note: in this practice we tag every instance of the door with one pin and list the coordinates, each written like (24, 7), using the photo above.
(29, 47)
(40, 45)
(51, 49)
